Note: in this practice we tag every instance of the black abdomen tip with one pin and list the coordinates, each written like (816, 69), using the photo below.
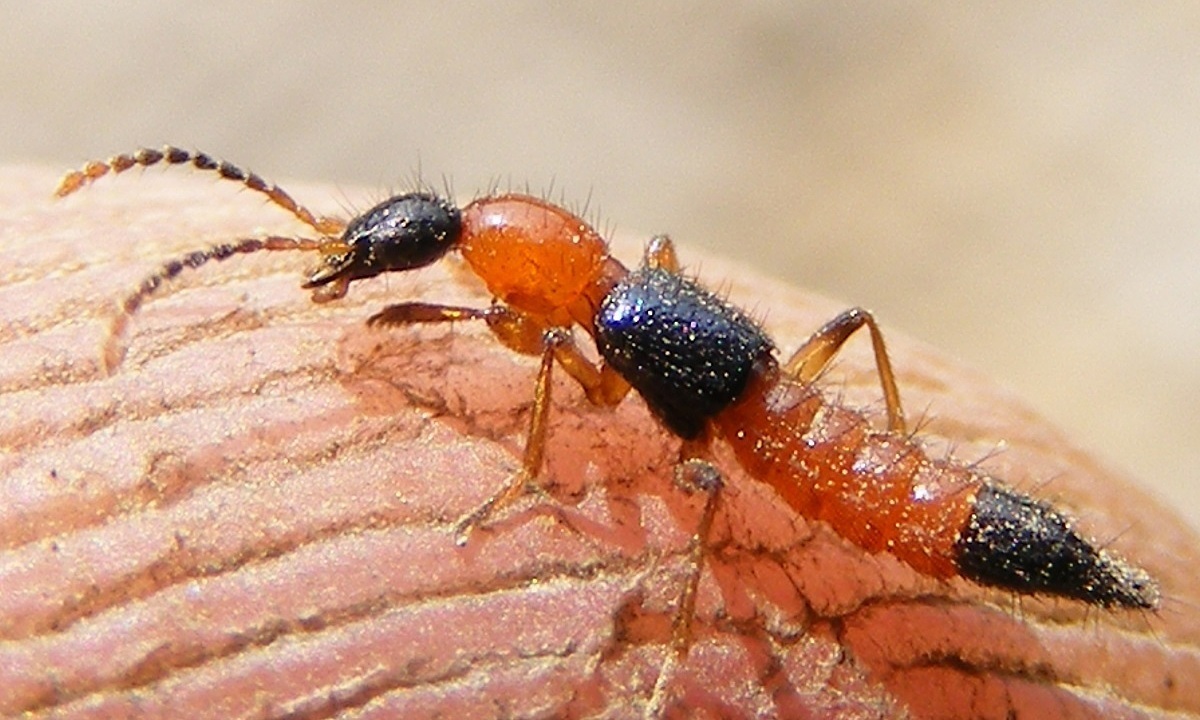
(1015, 542)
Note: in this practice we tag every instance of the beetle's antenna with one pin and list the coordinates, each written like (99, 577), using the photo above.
(114, 353)
(145, 157)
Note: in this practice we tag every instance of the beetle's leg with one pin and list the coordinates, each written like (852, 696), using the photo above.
(522, 334)
(416, 313)
(814, 355)
(528, 336)
(533, 456)
(660, 253)
(695, 472)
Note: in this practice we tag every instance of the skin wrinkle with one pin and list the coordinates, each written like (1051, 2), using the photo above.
(641, 530)
(369, 689)
(164, 661)
(119, 410)
(340, 445)
(168, 572)
(47, 525)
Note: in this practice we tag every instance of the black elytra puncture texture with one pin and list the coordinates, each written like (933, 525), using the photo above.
(687, 352)
(1015, 542)
(401, 233)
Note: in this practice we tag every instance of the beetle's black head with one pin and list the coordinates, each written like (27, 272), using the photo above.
(401, 233)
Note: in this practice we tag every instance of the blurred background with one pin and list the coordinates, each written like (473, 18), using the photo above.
(1015, 183)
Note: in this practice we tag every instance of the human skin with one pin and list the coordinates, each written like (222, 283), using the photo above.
(252, 515)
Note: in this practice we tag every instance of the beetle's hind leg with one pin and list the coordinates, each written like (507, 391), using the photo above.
(816, 353)
(694, 473)
(660, 253)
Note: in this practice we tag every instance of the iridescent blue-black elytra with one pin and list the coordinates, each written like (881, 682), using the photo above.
(687, 352)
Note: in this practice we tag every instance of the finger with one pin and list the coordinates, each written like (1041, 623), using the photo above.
(254, 514)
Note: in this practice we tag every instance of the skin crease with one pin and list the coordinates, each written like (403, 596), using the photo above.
(251, 517)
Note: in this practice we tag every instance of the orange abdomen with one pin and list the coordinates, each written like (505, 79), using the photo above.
(877, 489)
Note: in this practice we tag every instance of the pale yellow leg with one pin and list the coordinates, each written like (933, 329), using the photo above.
(814, 355)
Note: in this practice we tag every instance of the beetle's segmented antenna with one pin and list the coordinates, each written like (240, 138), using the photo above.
(145, 157)
(193, 260)
(114, 353)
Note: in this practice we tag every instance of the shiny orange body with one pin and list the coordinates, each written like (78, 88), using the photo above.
(877, 489)
(538, 258)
